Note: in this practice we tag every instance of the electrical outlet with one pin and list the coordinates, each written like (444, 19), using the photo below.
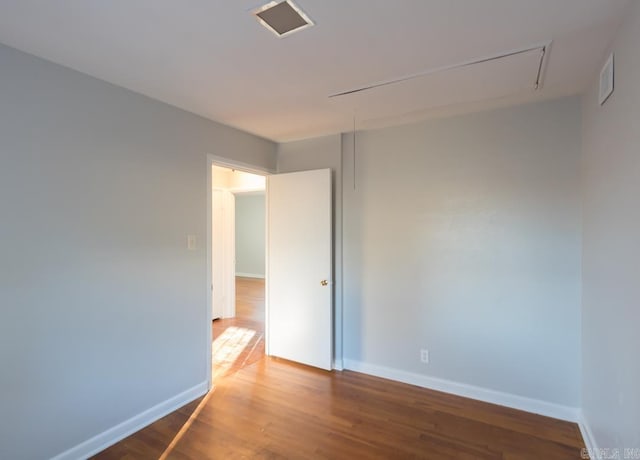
(424, 356)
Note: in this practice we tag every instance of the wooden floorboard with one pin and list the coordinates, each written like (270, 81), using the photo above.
(270, 408)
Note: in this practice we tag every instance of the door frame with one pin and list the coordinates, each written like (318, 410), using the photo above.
(240, 166)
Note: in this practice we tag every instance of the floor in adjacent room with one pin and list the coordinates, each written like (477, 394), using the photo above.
(264, 407)
(239, 342)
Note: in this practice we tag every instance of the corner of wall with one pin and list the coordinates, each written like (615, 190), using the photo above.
(587, 436)
(111, 436)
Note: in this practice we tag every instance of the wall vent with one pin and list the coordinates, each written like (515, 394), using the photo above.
(282, 17)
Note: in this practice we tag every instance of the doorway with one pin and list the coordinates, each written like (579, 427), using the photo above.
(238, 239)
(298, 305)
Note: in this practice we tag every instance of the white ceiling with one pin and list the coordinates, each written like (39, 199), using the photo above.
(211, 57)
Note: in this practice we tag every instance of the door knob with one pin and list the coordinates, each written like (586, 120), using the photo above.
(324, 282)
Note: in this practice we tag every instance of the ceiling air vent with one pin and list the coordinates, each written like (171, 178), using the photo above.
(282, 18)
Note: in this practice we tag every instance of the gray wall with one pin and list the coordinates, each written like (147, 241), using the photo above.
(462, 236)
(250, 235)
(611, 250)
(319, 153)
(102, 307)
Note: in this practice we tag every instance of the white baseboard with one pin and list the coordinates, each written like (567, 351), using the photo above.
(535, 406)
(589, 439)
(107, 438)
(249, 275)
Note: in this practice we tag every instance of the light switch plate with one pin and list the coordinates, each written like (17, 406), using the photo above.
(191, 242)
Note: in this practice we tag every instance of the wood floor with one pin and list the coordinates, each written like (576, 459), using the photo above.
(239, 342)
(271, 408)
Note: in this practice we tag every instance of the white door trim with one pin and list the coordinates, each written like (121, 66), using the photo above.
(240, 166)
(223, 225)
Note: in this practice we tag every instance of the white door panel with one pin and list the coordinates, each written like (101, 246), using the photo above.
(299, 278)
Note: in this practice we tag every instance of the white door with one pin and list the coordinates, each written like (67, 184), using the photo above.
(223, 253)
(299, 269)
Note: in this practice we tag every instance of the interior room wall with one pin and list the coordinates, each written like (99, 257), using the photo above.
(611, 225)
(319, 153)
(462, 236)
(103, 307)
(250, 234)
